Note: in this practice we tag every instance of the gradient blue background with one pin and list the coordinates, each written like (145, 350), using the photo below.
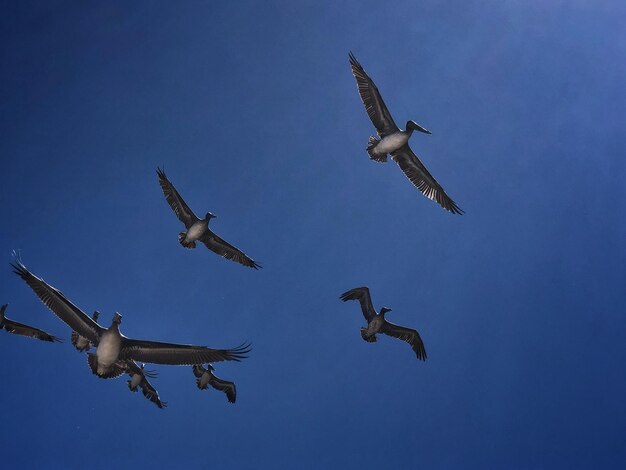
(253, 110)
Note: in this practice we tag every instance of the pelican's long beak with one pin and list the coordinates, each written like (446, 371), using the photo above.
(417, 127)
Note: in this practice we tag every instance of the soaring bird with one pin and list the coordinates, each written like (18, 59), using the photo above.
(139, 379)
(113, 348)
(376, 323)
(198, 229)
(80, 342)
(20, 329)
(207, 377)
(396, 142)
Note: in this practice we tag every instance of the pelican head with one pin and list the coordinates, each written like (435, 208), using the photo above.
(384, 310)
(96, 314)
(117, 318)
(413, 126)
(209, 216)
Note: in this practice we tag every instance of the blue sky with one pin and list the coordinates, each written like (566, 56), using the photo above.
(253, 111)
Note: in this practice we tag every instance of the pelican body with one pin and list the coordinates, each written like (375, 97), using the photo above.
(376, 322)
(197, 230)
(109, 346)
(189, 238)
(395, 142)
(114, 350)
(206, 377)
(139, 380)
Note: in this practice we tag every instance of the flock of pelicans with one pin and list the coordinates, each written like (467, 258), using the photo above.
(110, 354)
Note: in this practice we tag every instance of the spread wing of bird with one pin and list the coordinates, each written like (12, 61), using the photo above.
(176, 202)
(408, 335)
(224, 386)
(54, 299)
(156, 352)
(362, 294)
(228, 251)
(25, 330)
(80, 343)
(417, 173)
(198, 370)
(150, 393)
(374, 104)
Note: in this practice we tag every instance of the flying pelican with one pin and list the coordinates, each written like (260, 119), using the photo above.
(80, 342)
(139, 378)
(376, 323)
(207, 377)
(396, 142)
(198, 229)
(113, 348)
(24, 330)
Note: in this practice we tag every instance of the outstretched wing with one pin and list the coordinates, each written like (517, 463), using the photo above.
(415, 171)
(362, 294)
(151, 394)
(228, 251)
(54, 299)
(176, 202)
(407, 335)
(25, 330)
(224, 386)
(178, 354)
(374, 104)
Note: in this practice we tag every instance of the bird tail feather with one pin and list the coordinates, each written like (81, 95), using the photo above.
(181, 239)
(371, 144)
(366, 337)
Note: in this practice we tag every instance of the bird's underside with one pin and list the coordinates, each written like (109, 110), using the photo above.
(394, 142)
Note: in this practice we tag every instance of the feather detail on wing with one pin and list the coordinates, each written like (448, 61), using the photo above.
(224, 386)
(417, 173)
(228, 251)
(178, 354)
(408, 335)
(362, 294)
(176, 202)
(54, 299)
(374, 104)
(151, 393)
(24, 330)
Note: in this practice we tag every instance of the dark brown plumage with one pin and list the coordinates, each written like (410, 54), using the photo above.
(129, 349)
(24, 330)
(198, 229)
(376, 322)
(207, 377)
(139, 379)
(408, 162)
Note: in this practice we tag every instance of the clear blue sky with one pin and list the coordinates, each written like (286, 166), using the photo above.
(253, 111)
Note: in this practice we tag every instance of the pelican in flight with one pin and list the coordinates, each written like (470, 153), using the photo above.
(376, 322)
(24, 330)
(207, 377)
(395, 142)
(139, 379)
(113, 349)
(198, 229)
(80, 342)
